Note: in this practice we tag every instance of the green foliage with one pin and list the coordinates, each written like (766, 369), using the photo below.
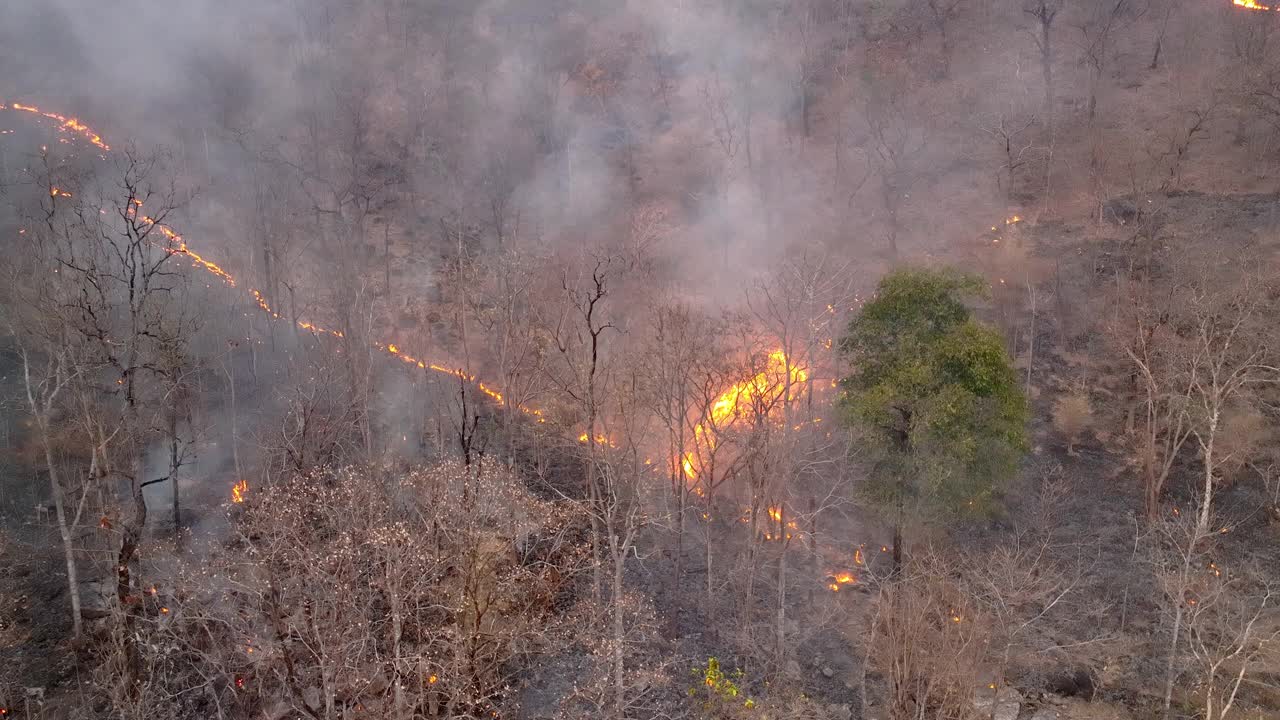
(934, 395)
(720, 694)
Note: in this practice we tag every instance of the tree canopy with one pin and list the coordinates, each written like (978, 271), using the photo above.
(934, 394)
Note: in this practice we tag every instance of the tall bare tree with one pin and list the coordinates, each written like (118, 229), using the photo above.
(1045, 12)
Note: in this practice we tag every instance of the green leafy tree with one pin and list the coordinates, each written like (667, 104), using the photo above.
(935, 397)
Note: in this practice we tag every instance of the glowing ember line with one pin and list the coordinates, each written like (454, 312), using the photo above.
(1250, 5)
(65, 124)
(178, 246)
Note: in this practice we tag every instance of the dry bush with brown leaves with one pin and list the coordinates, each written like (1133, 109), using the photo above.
(1072, 416)
(928, 642)
(346, 591)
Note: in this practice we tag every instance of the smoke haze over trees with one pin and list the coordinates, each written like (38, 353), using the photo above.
(679, 359)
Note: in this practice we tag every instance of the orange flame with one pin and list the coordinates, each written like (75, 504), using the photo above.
(239, 490)
(731, 403)
(600, 440)
(841, 578)
(65, 124)
(177, 246)
(1250, 5)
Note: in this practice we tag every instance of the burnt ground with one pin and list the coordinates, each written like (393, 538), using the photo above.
(1113, 627)
(1106, 642)
(1101, 652)
(35, 622)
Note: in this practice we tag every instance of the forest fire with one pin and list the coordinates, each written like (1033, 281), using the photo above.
(179, 247)
(766, 386)
(600, 440)
(65, 124)
(764, 325)
(840, 579)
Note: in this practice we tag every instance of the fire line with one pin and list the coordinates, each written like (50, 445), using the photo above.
(770, 381)
(178, 246)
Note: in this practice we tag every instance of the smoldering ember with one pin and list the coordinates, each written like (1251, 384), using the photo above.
(663, 360)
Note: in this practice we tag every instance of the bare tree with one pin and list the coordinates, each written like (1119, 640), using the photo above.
(43, 390)
(897, 142)
(54, 359)
(682, 350)
(1019, 588)
(504, 308)
(1222, 357)
(728, 109)
(1103, 20)
(1147, 340)
(943, 13)
(1231, 633)
(123, 267)
(174, 368)
(1229, 358)
(801, 306)
(1167, 8)
(1015, 151)
(1192, 125)
(580, 331)
(809, 59)
(1045, 12)
(608, 392)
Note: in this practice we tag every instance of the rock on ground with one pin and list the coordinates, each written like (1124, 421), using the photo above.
(1008, 704)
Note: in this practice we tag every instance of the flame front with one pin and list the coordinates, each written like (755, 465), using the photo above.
(65, 124)
(1250, 5)
(840, 579)
(768, 383)
(177, 246)
(600, 440)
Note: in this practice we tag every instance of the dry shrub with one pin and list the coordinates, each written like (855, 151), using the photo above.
(948, 626)
(351, 591)
(1072, 416)
(1244, 432)
(647, 675)
(929, 642)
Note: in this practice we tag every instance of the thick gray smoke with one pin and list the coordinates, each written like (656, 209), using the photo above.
(339, 154)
